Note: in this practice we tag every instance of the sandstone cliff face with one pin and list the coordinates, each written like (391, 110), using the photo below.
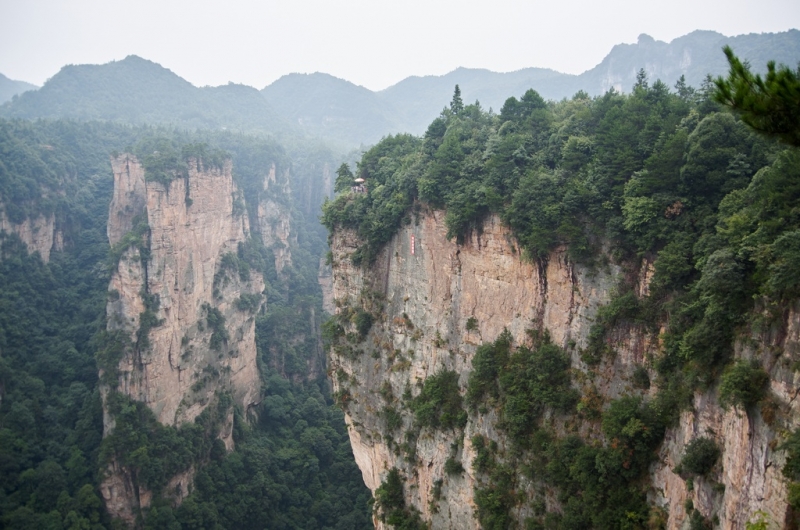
(427, 296)
(129, 199)
(188, 276)
(39, 234)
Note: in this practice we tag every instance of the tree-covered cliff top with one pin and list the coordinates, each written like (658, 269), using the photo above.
(662, 177)
(641, 170)
(662, 173)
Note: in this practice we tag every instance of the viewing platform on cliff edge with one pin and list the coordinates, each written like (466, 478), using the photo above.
(358, 186)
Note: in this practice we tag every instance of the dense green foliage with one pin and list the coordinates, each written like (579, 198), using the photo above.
(163, 159)
(791, 470)
(699, 456)
(439, 404)
(743, 384)
(391, 503)
(770, 105)
(377, 215)
(50, 413)
(597, 485)
(156, 452)
(496, 500)
(293, 468)
(522, 383)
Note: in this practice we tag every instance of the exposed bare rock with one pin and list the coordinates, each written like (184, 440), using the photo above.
(426, 289)
(119, 493)
(439, 287)
(123, 496)
(39, 234)
(129, 199)
(189, 272)
(325, 279)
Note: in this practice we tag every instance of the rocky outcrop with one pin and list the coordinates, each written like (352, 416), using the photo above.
(425, 290)
(39, 234)
(129, 199)
(186, 286)
(274, 220)
(325, 280)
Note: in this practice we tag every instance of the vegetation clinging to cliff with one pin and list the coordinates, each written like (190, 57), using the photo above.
(669, 178)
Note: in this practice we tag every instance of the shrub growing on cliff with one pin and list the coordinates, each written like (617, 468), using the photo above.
(363, 321)
(496, 499)
(138, 237)
(439, 404)
(622, 307)
(216, 322)
(148, 318)
(393, 419)
(453, 466)
(391, 503)
(522, 382)
(699, 456)
(532, 380)
(489, 360)
(743, 384)
(248, 302)
(791, 470)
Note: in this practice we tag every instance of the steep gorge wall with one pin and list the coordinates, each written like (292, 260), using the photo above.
(274, 220)
(39, 234)
(424, 290)
(186, 277)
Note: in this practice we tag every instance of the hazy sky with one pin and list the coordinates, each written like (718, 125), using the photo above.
(374, 43)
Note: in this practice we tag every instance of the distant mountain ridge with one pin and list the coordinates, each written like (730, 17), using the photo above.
(10, 88)
(135, 90)
(412, 103)
(138, 91)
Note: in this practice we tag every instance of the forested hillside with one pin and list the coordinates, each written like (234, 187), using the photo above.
(293, 466)
(662, 179)
(138, 91)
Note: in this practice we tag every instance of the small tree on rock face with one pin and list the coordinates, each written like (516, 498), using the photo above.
(457, 104)
(699, 456)
(743, 384)
(344, 178)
